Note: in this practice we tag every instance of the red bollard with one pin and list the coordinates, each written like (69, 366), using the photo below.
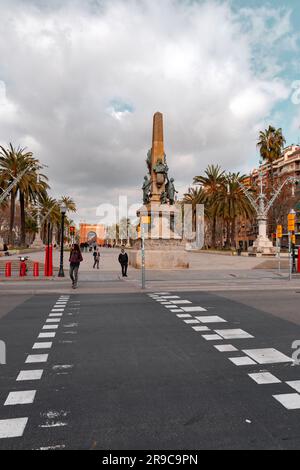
(23, 269)
(48, 261)
(46, 270)
(298, 260)
(8, 269)
(36, 271)
(50, 265)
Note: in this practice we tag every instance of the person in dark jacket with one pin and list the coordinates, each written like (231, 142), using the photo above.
(123, 260)
(75, 260)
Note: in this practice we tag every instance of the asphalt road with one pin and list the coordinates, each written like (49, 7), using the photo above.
(124, 371)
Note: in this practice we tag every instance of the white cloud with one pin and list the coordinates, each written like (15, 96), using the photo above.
(67, 65)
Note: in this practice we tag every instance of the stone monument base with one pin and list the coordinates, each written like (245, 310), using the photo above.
(262, 247)
(37, 243)
(156, 259)
(159, 254)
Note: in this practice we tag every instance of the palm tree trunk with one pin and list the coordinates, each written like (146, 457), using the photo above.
(213, 232)
(227, 243)
(12, 217)
(22, 215)
(233, 227)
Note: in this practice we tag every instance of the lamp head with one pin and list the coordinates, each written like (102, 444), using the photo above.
(63, 209)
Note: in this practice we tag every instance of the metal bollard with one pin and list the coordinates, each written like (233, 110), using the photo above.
(8, 269)
(23, 269)
(36, 271)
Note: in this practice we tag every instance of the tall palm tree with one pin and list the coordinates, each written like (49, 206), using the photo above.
(195, 196)
(271, 143)
(49, 212)
(231, 203)
(211, 183)
(10, 160)
(69, 203)
(13, 163)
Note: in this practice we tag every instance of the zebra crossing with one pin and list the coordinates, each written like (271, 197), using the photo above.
(207, 326)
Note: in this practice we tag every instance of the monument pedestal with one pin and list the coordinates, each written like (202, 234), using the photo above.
(164, 248)
(37, 243)
(262, 245)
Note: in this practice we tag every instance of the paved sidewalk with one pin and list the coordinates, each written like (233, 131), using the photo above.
(209, 272)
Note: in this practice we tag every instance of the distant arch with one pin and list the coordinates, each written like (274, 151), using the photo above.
(91, 237)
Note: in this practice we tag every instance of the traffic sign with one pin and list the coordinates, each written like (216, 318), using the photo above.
(279, 231)
(291, 222)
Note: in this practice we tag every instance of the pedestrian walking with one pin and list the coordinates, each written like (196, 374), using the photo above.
(75, 260)
(123, 260)
(97, 256)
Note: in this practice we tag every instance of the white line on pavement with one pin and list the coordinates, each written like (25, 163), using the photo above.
(25, 397)
(12, 427)
(30, 375)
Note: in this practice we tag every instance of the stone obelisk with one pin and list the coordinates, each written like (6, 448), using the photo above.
(157, 156)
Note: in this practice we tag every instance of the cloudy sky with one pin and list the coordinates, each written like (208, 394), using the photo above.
(81, 79)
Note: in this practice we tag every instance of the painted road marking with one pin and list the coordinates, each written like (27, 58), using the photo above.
(180, 302)
(170, 306)
(50, 327)
(63, 366)
(295, 384)
(212, 337)
(176, 310)
(234, 334)
(267, 356)
(161, 293)
(55, 315)
(47, 335)
(30, 375)
(211, 319)
(44, 345)
(242, 361)
(226, 348)
(291, 401)
(12, 427)
(58, 310)
(171, 297)
(53, 320)
(20, 398)
(194, 309)
(201, 328)
(184, 315)
(58, 447)
(33, 358)
(190, 322)
(264, 378)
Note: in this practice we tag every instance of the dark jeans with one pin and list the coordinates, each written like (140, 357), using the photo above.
(96, 263)
(74, 273)
(124, 269)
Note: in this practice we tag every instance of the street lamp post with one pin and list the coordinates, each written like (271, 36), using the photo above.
(63, 211)
(291, 231)
(262, 206)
